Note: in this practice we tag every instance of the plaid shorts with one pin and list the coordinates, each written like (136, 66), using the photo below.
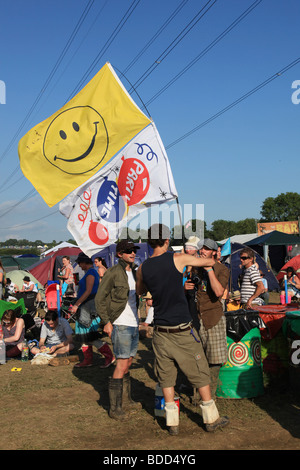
(214, 342)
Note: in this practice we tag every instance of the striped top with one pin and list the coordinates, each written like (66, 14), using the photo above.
(249, 284)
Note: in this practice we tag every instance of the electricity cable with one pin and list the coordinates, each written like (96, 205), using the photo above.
(205, 51)
(175, 42)
(50, 76)
(114, 34)
(235, 103)
(159, 31)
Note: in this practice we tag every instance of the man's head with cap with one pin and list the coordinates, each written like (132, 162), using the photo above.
(207, 248)
(126, 250)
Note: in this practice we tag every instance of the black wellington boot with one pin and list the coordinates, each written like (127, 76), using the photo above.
(115, 391)
(127, 402)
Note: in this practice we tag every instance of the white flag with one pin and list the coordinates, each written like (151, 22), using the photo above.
(137, 177)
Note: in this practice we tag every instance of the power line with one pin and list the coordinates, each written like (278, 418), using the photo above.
(27, 196)
(28, 223)
(205, 51)
(204, 123)
(236, 102)
(50, 76)
(159, 31)
(114, 34)
(175, 42)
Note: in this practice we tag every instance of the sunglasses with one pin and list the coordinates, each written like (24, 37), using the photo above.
(129, 251)
(244, 257)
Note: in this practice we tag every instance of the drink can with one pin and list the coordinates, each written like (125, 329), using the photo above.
(177, 401)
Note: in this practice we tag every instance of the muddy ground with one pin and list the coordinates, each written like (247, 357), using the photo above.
(64, 408)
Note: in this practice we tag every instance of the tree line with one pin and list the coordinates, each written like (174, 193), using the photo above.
(284, 207)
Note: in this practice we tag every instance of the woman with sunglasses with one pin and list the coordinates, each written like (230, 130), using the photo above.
(13, 333)
(252, 286)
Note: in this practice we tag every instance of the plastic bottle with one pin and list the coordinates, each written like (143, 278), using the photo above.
(159, 406)
(25, 351)
(2, 348)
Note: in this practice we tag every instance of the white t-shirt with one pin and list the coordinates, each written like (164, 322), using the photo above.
(150, 315)
(26, 287)
(129, 316)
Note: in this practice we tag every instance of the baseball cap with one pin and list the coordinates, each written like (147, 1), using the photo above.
(126, 245)
(209, 243)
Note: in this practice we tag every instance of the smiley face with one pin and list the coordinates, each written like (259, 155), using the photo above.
(76, 140)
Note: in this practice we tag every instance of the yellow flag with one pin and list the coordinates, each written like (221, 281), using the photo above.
(69, 147)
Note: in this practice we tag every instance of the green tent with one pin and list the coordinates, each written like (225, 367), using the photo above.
(12, 306)
(17, 276)
(275, 238)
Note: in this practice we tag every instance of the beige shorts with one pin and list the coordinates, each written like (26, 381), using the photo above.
(184, 349)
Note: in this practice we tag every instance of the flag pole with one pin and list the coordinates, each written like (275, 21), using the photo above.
(180, 220)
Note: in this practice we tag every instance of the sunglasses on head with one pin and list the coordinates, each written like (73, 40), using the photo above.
(244, 257)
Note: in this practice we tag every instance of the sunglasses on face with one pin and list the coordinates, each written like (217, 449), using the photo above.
(129, 251)
(244, 257)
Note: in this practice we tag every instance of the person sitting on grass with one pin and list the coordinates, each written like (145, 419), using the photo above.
(13, 333)
(56, 336)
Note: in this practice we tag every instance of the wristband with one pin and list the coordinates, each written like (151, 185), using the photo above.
(210, 269)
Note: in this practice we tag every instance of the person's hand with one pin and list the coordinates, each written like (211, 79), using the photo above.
(73, 308)
(42, 348)
(189, 285)
(108, 328)
(249, 304)
(52, 349)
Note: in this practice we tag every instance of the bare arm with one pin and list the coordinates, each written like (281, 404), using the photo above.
(140, 286)
(182, 259)
(89, 286)
(216, 286)
(259, 290)
(17, 335)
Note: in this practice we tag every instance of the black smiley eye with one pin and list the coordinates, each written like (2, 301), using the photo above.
(75, 126)
(63, 134)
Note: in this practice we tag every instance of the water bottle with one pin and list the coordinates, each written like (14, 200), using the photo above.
(25, 351)
(2, 348)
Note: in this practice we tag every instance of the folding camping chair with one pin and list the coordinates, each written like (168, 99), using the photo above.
(53, 297)
(66, 304)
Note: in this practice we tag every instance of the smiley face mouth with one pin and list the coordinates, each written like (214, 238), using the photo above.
(86, 153)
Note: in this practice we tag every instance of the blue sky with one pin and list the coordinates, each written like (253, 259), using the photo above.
(230, 165)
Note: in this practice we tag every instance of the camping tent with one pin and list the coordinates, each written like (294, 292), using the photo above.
(11, 263)
(110, 257)
(17, 276)
(293, 263)
(274, 244)
(57, 247)
(47, 268)
(233, 262)
(275, 238)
